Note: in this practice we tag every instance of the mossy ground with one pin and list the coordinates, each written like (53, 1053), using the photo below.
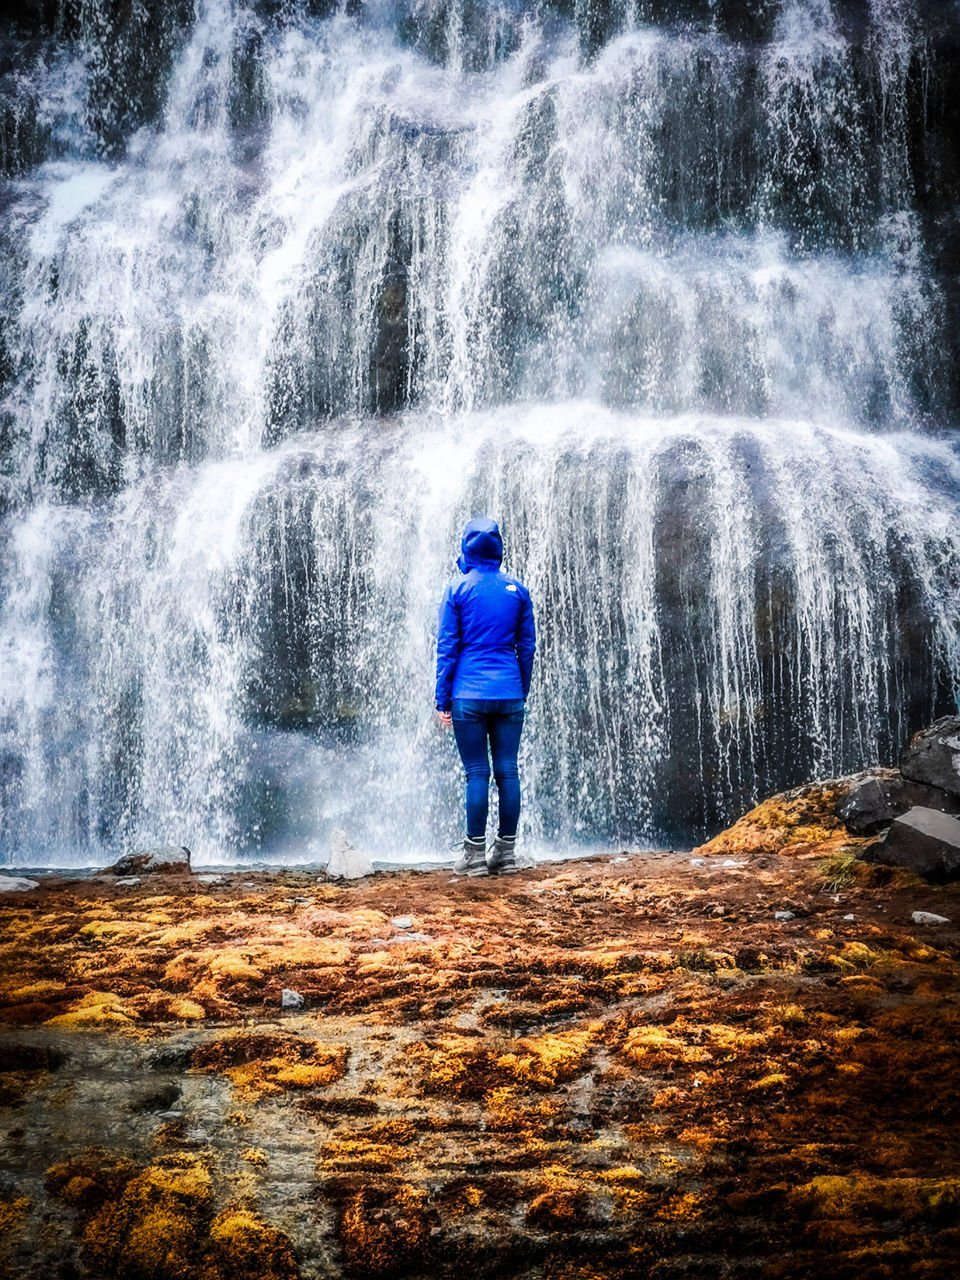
(597, 1070)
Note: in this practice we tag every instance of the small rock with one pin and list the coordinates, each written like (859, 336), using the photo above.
(849, 919)
(933, 755)
(718, 909)
(346, 862)
(784, 915)
(619, 859)
(732, 862)
(127, 882)
(924, 841)
(17, 884)
(402, 922)
(697, 862)
(928, 917)
(291, 999)
(171, 858)
(210, 879)
(409, 937)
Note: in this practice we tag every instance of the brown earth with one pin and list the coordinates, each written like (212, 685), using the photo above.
(610, 1068)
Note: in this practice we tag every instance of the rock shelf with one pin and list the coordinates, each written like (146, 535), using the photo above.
(591, 1070)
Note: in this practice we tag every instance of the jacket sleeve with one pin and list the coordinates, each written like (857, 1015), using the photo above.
(526, 642)
(448, 649)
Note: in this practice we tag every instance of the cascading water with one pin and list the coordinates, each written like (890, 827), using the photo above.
(289, 292)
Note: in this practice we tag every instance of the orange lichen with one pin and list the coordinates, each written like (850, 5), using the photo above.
(384, 1230)
(12, 1214)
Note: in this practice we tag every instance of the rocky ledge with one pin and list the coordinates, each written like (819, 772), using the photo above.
(740, 1063)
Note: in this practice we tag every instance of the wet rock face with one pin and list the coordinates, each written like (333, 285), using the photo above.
(926, 842)
(878, 796)
(933, 756)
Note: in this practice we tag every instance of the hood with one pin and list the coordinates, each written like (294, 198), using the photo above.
(481, 546)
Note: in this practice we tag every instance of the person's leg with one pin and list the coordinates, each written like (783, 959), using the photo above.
(470, 732)
(505, 728)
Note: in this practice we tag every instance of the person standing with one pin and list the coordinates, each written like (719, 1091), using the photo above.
(485, 646)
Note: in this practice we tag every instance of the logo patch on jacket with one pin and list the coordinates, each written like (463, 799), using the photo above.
(511, 587)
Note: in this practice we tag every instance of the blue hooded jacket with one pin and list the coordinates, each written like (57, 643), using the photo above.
(486, 637)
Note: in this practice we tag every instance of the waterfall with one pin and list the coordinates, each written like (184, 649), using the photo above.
(289, 293)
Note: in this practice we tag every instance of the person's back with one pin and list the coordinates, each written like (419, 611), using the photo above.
(485, 647)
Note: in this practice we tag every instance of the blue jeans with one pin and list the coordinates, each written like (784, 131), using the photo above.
(474, 721)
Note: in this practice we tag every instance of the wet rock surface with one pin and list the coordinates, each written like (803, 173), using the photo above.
(933, 755)
(873, 799)
(924, 841)
(587, 1072)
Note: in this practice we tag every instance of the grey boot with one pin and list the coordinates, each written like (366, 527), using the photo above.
(472, 861)
(502, 858)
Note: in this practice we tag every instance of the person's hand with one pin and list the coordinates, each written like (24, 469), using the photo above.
(444, 719)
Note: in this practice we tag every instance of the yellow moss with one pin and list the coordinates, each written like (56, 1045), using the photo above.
(773, 1081)
(791, 820)
(246, 1248)
(39, 990)
(94, 1010)
(906, 1199)
(233, 965)
(310, 1075)
(12, 1213)
(254, 1156)
(258, 1064)
(682, 1208)
(186, 1010)
(624, 1174)
(108, 931)
(548, 1060)
(644, 1043)
(788, 1015)
(153, 1228)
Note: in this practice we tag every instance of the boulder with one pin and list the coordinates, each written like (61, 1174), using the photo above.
(924, 841)
(346, 862)
(928, 917)
(17, 884)
(933, 755)
(171, 859)
(874, 798)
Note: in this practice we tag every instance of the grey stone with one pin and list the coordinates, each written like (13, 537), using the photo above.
(17, 884)
(171, 858)
(926, 842)
(848, 919)
(402, 922)
(127, 882)
(784, 915)
(346, 862)
(874, 798)
(210, 879)
(933, 755)
(928, 917)
(291, 999)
